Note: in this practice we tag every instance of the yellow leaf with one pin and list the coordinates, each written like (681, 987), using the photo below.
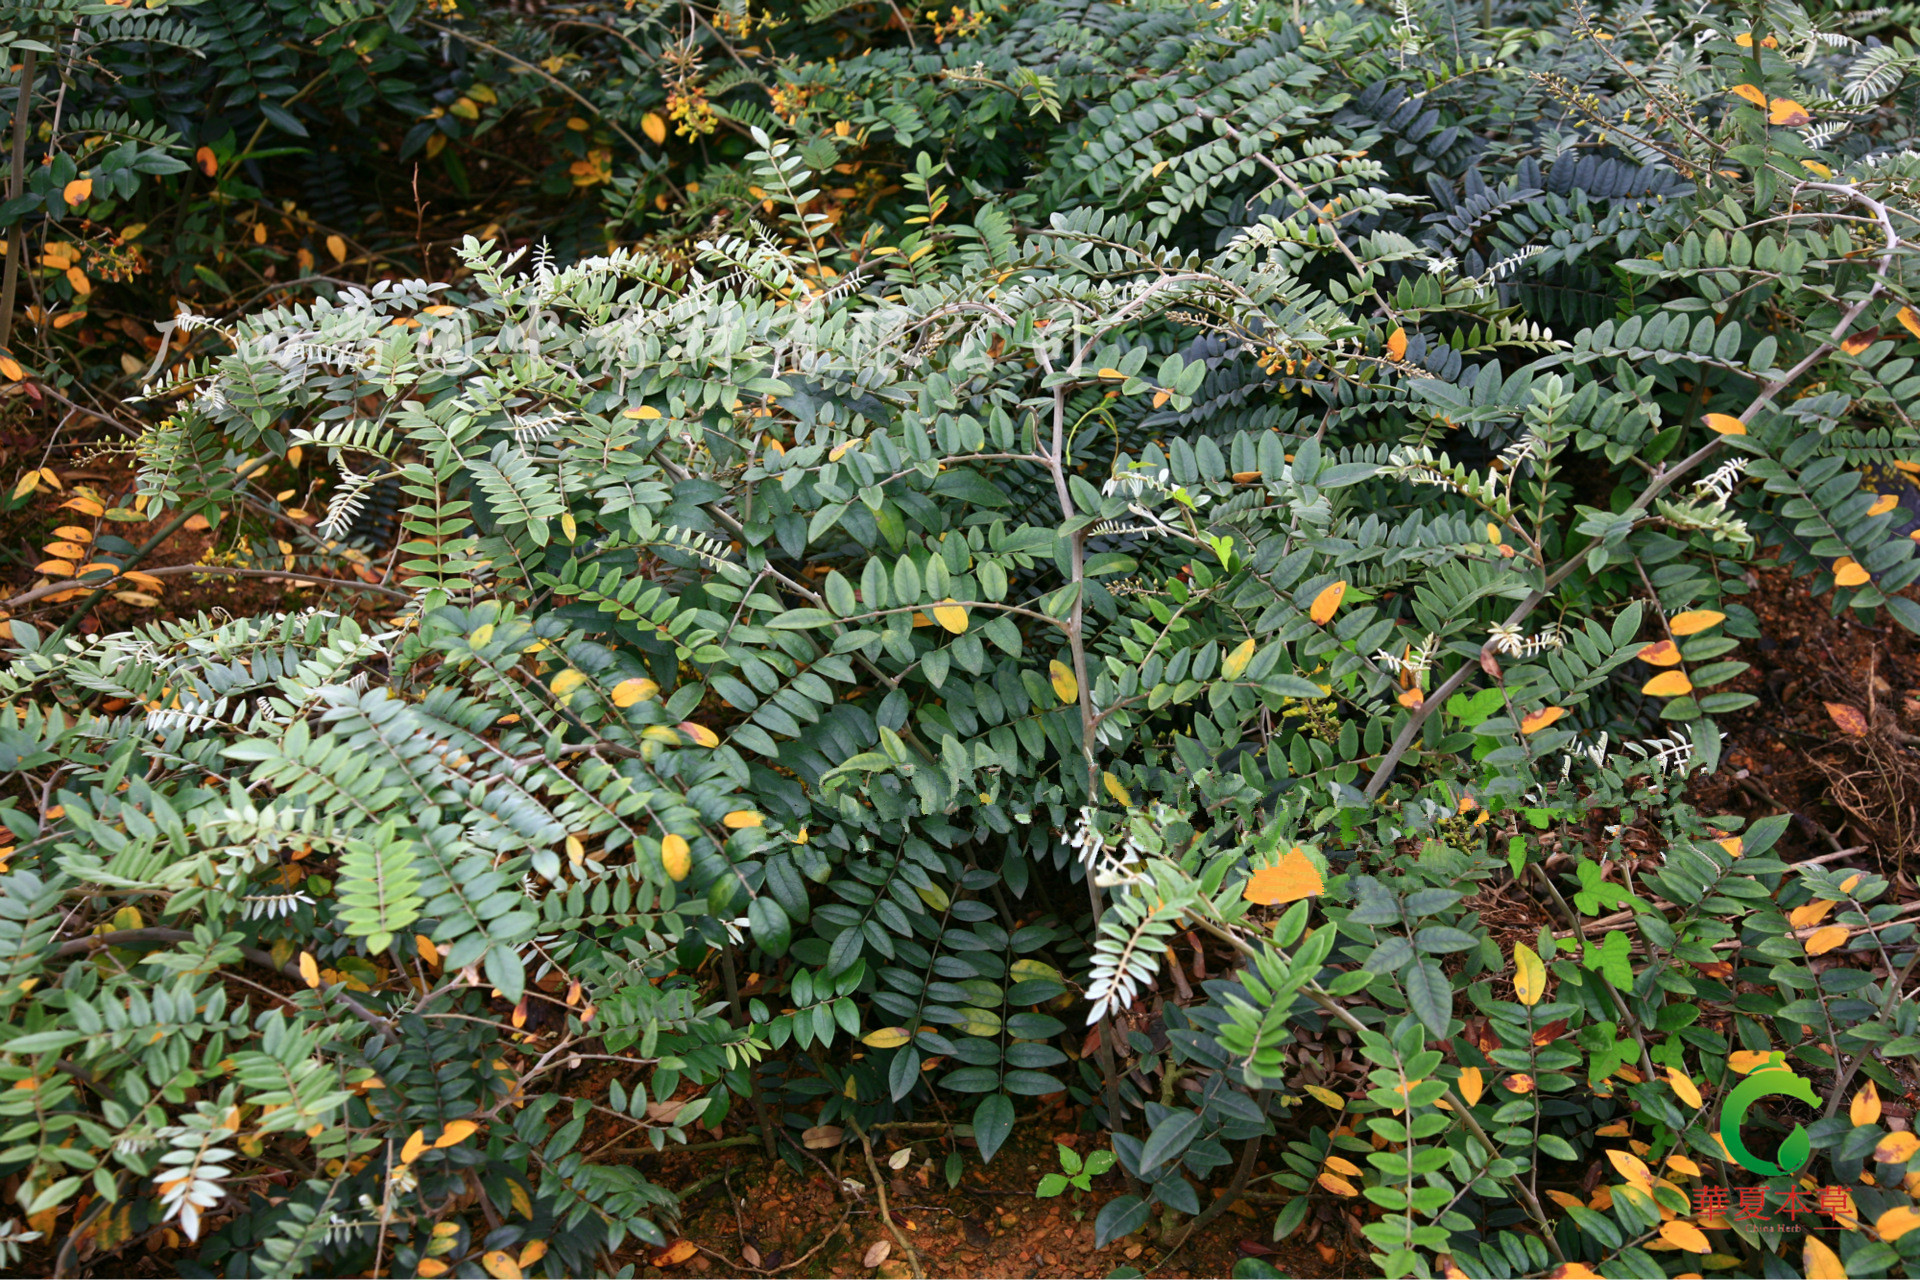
(1115, 788)
(741, 819)
(655, 128)
(535, 1250)
(337, 247)
(1695, 620)
(1338, 1185)
(1811, 914)
(701, 735)
(1294, 877)
(1851, 883)
(1529, 975)
(1236, 662)
(1750, 94)
(1540, 719)
(1883, 504)
(1896, 1148)
(1848, 573)
(415, 1145)
(1327, 602)
(638, 689)
(455, 1134)
(430, 1267)
(1682, 1086)
(951, 616)
(500, 1265)
(428, 952)
(1825, 940)
(1895, 1223)
(642, 413)
(1664, 653)
(1911, 319)
(1785, 111)
(79, 191)
(1493, 533)
(1328, 1096)
(1397, 345)
(1668, 684)
(1161, 397)
(482, 635)
(566, 682)
(14, 373)
(1339, 1164)
(1686, 1236)
(1819, 1262)
(1065, 687)
(1573, 1271)
(675, 856)
(309, 970)
(1865, 1107)
(1726, 424)
(1684, 1165)
(1817, 169)
(1472, 1085)
(1742, 1061)
(1112, 375)
(1631, 1167)
(886, 1038)
(73, 533)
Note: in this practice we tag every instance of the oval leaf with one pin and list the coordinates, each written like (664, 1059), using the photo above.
(1529, 975)
(1668, 684)
(1327, 603)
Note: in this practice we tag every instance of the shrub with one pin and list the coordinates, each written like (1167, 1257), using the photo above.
(1178, 501)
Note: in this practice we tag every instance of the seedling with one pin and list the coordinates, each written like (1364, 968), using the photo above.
(1074, 1173)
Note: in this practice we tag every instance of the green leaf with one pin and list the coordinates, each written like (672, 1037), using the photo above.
(1430, 996)
(992, 1122)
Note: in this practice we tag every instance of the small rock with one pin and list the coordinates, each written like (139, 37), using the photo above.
(895, 1269)
(1009, 1219)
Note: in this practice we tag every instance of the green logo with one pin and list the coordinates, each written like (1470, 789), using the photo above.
(1773, 1079)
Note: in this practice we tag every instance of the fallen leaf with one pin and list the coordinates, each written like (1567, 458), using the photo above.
(900, 1159)
(1668, 684)
(1825, 940)
(1294, 877)
(822, 1136)
(1848, 718)
(876, 1253)
(1327, 602)
(675, 1254)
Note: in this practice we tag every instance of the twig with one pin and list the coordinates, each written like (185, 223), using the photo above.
(16, 187)
(880, 1190)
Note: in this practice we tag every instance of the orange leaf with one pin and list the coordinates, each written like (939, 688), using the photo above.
(1573, 1271)
(655, 128)
(1294, 877)
(741, 819)
(1911, 320)
(415, 1145)
(1819, 1262)
(1854, 343)
(1749, 93)
(1785, 111)
(1726, 424)
(1664, 653)
(1865, 1108)
(1848, 718)
(1397, 345)
(676, 858)
(1338, 1185)
(207, 161)
(1809, 915)
(455, 1134)
(500, 1265)
(1540, 719)
(1471, 1085)
(14, 373)
(1668, 684)
(1848, 573)
(1684, 1088)
(1686, 624)
(1885, 503)
(1631, 1167)
(1686, 1236)
(79, 191)
(1825, 940)
(309, 969)
(701, 735)
(1327, 602)
(1742, 1061)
